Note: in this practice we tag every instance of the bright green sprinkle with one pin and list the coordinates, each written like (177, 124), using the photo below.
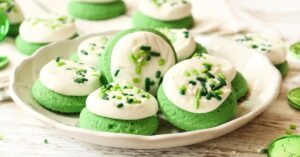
(289, 131)
(59, 64)
(293, 126)
(136, 80)
(161, 62)
(182, 90)
(195, 72)
(187, 74)
(197, 99)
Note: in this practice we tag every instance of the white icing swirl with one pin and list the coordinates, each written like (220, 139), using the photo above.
(273, 47)
(13, 11)
(91, 49)
(129, 64)
(117, 102)
(182, 41)
(166, 10)
(95, 1)
(70, 78)
(184, 83)
(47, 29)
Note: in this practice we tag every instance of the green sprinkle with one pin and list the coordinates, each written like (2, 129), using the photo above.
(187, 74)
(120, 105)
(147, 84)
(59, 64)
(145, 48)
(201, 79)
(132, 58)
(182, 90)
(161, 62)
(130, 101)
(138, 70)
(154, 54)
(117, 72)
(186, 34)
(136, 80)
(45, 141)
(209, 96)
(119, 97)
(57, 59)
(148, 58)
(83, 52)
(289, 132)
(218, 92)
(80, 80)
(192, 82)
(293, 126)
(158, 74)
(210, 75)
(197, 99)
(254, 46)
(81, 72)
(195, 72)
(160, 80)
(216, 96)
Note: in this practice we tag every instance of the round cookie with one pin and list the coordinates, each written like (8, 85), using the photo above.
(139, 57)
(63, 85)
(36, 32)
(90, 50)
(141, 20)
(196, 93)
(163, 14)
(96, 11)
(120, 108)
(183, 42)
(273, 47)
(14, 14)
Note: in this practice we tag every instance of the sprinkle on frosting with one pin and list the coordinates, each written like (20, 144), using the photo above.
(255, 42)
(52, 23)
(172, 3)
(8, 6)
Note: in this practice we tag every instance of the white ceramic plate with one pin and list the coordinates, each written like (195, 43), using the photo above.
(264, 81)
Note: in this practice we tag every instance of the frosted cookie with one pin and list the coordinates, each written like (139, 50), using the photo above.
(91, 49)
(120, 109)
(183, 42)
(273, 47)
(163, 14)
(96, 9)
(138, 57)
(197, 94)
(36, 32)
(14, 14)
(63, 85)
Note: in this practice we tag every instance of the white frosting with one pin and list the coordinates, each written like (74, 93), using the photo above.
(13, 11)
(273, 47)
(130, 45)
(182, 41)
(166, 10)
(176, 78)
(47, 29)
(65, 77)
(91, 49)
(143, 107)
(95, 1)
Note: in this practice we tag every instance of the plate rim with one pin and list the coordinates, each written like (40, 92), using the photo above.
(237, 122)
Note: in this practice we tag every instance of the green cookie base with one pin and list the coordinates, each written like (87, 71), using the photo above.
(239, 85)
(141, 20)
(146, 126)
(55, 101)
(283, 68)
(96, 11)
(27, 48)
(195, 121)
(106, 57)
(14, 29)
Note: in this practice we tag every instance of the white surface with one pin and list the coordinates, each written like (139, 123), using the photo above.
(165, 11)
(108, 108)
(61, 80)
(175, 78)
(263, 91)
(130, 44)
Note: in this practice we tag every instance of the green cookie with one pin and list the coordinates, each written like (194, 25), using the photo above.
(141, 20)
(106, 57)
(283, 68)
(239, 85)
(96, 11)
(55, 101)
(189, 121)
(14, 29)
(146, 126)
(27, 48)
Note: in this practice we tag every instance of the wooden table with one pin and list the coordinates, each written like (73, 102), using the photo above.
(25, 136)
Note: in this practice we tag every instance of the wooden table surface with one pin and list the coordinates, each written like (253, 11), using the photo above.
(24, 136)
